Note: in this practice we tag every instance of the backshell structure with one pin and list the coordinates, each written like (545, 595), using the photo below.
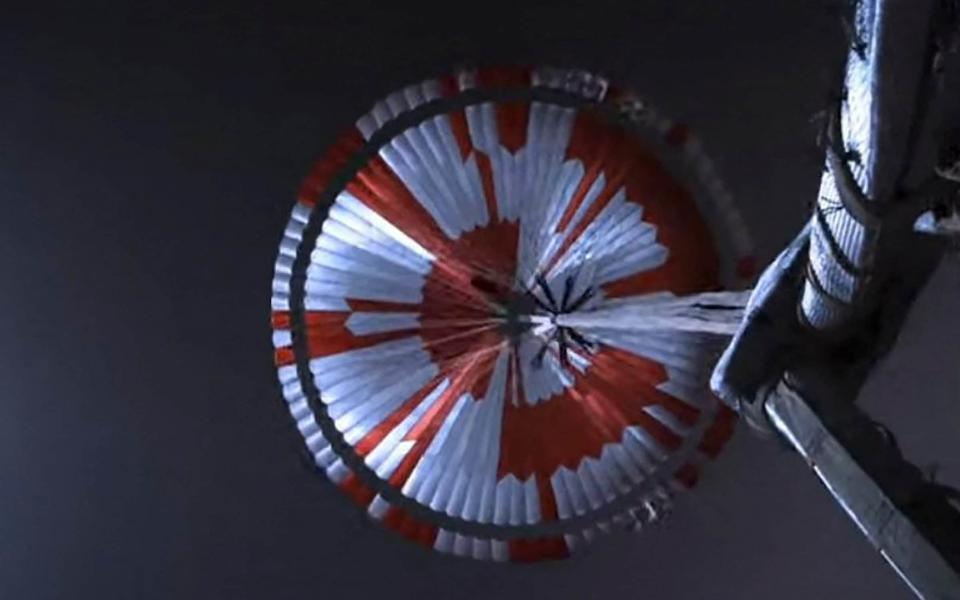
(418, 301)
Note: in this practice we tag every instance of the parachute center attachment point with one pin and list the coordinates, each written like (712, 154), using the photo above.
(547, 328)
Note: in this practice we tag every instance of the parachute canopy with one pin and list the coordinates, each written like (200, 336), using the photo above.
(495, 310)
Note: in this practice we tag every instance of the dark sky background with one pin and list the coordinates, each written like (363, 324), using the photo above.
(148, 161)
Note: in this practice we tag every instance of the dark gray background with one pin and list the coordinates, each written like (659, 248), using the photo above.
(148, 160)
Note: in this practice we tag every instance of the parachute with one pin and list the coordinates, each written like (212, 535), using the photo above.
(496, 307)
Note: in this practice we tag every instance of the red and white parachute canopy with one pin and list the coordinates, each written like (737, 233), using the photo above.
(495, 306)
